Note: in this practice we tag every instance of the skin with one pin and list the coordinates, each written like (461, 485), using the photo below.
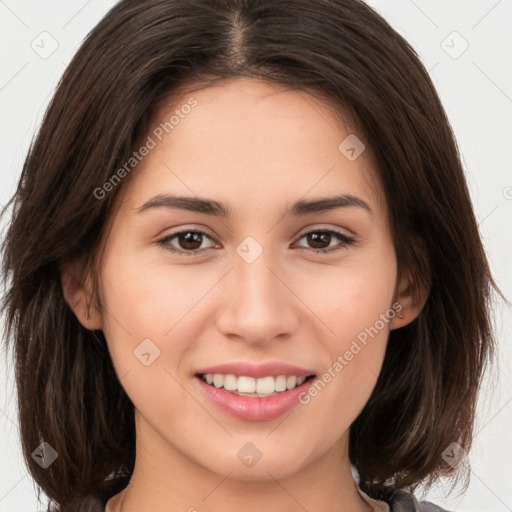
(256, 147)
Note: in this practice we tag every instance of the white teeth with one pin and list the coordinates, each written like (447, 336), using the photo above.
(230, 382)
(265, 385)
(249, 386)
(218, 380)
(280, 383)
(246, 384)
(291, 381)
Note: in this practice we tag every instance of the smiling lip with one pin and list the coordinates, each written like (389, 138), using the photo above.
(268, 369)
(254, 408)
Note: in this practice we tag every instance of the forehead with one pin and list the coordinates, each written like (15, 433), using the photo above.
(247, 140)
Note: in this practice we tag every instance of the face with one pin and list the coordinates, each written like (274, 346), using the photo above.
(242, 275)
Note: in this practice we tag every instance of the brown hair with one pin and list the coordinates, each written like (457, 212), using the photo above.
(68, 392)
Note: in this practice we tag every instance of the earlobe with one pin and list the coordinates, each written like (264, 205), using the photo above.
(411, 298)
(78, 293)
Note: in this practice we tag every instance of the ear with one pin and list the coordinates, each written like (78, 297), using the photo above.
(78, 292)
(411, 296)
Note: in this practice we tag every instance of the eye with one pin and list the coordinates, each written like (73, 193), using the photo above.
(190, 241)
(325, 236)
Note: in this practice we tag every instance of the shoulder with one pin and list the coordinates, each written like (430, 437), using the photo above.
(405, 502)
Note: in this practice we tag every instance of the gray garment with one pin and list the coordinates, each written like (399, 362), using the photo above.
(402, 501)
(405, 502)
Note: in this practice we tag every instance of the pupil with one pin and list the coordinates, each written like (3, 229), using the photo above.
(316, 238)
(189, 239)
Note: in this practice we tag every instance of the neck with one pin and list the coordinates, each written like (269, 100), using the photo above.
(314, 488)
(171, 481)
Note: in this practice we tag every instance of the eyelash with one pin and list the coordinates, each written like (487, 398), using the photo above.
(164, 242)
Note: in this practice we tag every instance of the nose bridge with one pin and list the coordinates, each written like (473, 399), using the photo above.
(258, 306)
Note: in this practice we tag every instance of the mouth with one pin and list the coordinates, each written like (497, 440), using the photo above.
(262, 387)
(253, 398)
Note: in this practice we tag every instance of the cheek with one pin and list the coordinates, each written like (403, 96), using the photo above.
(152, 319)
(146, 296)
(145, 320)
(350, 296)
(355, 303)
(134, 309)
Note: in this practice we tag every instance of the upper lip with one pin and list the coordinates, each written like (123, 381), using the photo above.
(256, 370)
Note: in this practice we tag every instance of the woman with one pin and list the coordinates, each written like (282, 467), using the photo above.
(315, 326)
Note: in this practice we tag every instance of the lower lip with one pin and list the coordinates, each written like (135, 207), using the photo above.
(254, 408)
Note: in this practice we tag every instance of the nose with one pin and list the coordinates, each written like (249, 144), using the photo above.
(258, 304)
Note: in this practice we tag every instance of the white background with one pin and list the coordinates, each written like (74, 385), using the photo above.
(475, 87)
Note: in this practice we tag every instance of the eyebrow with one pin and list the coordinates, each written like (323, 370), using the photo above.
(211, 207)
